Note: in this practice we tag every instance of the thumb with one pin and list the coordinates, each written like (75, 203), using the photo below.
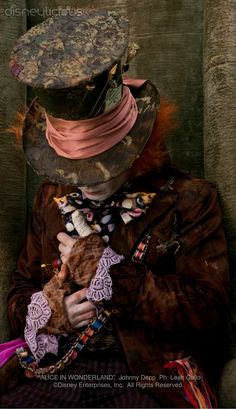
(63, 273)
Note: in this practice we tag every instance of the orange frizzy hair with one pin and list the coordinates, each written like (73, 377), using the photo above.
(155, 154)
(17, 127)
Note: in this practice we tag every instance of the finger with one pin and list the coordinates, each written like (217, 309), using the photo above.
(77, 297)
(65, 250)
(63, 259)
(63, 273)
(72, 300)
(66, 239)
(85, 307)
(83, 317)
(75, 312)
(87, 316)
(82, 324)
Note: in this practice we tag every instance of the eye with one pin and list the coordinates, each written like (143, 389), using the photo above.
(140, 201)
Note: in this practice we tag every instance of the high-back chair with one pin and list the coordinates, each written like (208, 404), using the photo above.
(188, 49)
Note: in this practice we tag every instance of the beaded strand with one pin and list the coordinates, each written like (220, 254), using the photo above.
(30, 366)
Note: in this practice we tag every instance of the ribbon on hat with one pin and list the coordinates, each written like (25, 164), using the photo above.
(89, 137)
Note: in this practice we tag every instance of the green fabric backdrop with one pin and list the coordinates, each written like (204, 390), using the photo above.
(219, 80)
(12, 165)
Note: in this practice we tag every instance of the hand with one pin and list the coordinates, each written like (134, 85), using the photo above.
(65, 246)
(79, 314)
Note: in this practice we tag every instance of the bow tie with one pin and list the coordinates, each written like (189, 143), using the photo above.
(102, 216)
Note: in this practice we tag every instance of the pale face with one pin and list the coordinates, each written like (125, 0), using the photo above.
(106, 189)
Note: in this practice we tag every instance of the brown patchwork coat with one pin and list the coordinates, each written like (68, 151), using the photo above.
(172, 305)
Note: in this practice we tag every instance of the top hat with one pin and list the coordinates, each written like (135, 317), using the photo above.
(96, 122)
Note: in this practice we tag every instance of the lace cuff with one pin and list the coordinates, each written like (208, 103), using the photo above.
(38, 315)
(101, 285)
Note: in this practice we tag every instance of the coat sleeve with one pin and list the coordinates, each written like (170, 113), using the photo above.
(196, 294)
(26, 280)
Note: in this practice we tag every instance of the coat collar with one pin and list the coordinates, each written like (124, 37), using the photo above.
(125, 238)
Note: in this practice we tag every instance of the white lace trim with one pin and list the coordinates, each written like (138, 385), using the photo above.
(38, 315)
(101, 285)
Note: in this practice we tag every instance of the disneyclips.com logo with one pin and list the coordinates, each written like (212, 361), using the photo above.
(15, 11)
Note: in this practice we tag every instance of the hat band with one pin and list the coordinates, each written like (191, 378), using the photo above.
(89, 137)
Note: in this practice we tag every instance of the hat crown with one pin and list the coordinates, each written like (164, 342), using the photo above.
(75, 61)
(70, 48)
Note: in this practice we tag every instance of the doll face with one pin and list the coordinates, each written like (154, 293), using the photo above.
(104, 190)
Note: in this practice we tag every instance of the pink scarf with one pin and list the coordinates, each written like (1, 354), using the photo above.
(89, 137)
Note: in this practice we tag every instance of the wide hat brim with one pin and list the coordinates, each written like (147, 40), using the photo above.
(97, 169)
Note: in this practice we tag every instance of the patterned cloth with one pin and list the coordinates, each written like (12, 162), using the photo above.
(102, 216)
(49, 393)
